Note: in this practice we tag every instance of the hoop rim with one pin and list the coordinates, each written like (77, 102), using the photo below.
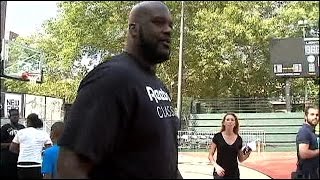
(31, 77)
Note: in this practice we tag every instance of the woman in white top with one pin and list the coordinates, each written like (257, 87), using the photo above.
(29, 143)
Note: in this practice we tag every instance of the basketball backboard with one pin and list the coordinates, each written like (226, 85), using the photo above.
(21, 62)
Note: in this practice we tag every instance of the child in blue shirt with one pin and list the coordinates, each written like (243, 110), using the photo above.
(50, 155)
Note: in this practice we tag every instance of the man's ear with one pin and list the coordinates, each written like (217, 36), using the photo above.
(133, 29)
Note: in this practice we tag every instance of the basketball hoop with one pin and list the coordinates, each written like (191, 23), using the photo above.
(31, 77)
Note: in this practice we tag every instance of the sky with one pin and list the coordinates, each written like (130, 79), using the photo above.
(26, 17)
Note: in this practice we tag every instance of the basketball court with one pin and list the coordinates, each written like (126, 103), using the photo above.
(267, 165)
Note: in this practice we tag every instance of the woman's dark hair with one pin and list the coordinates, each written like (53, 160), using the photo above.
(34, 121)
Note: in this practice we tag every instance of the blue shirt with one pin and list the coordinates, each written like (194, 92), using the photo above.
(50, 160)
(306, 135)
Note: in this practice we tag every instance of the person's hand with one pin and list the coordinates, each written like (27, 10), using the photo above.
(248, 153)
(246, 150)
(219, 170)
(210, 158)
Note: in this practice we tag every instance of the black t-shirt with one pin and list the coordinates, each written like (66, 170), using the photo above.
(122, 120)
(227, 155)
(7, 134)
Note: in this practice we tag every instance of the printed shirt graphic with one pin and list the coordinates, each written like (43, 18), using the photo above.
(7, 134)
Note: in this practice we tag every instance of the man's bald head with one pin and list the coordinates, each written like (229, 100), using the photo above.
(149, 35)
(145, 9)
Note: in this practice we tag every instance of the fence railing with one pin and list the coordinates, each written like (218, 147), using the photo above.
(201, 140)
(247, 105)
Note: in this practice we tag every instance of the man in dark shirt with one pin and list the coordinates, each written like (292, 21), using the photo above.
(8, 158)
(122, 123)
(307, 149)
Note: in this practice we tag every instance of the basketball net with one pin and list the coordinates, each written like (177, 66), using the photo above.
(33, 79)
(30, 76)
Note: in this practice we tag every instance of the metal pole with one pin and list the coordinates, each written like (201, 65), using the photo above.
(287, 92)
(3, 23)
(3, 18)
(179, 98)
(304, 31)
(305, 80)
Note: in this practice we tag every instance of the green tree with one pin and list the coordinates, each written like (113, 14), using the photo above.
(226, 46)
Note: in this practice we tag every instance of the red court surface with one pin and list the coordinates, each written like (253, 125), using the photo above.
(277, 165)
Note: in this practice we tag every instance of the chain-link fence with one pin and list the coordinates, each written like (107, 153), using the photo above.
(201, 140)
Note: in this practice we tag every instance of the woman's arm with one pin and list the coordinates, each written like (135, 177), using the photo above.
(218, 168)
(212, 150)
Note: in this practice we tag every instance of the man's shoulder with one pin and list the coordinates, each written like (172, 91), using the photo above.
(119, 61)
(303, 133)
(304, 129)
(117, 69)
(21, 126)
(6, 126)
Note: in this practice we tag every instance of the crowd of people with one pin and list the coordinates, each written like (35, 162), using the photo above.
(30, 153)
(120, 102)
(27, 152)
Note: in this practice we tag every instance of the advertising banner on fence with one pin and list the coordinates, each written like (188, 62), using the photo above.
(35, 104)
(12, 101)
(54, 108)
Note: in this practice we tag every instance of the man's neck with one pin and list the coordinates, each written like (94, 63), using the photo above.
(15, 125)
(309, 125)
(137, 55)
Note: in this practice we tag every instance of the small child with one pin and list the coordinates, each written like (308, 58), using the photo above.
(50, 155)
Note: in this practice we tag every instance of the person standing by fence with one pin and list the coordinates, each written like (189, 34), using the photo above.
(228, 144)
(50, 155)
(307, 146)
(8, 158)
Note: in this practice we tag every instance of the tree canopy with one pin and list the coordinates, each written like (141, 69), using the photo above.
(226, 46)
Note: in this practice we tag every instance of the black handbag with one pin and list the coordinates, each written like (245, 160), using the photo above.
(297, 175)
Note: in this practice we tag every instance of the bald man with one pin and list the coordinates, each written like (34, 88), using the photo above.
(122, 123)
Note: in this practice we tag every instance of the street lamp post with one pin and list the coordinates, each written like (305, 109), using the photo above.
(303, 24)
(179, 98)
